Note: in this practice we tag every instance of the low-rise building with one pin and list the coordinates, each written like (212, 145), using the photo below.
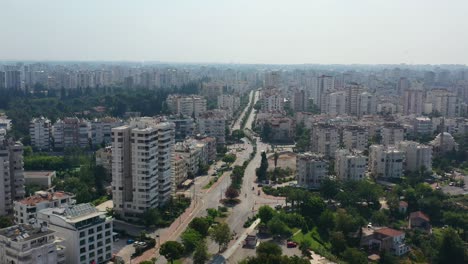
(30, 244)
(419, 220)
(179, 170)
(386, 239)
(311, 169)
(350, 165)
(86, 231)
(25, 210)
(40, 178)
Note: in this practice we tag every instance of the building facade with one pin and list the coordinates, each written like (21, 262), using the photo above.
(311, 169)
(385, 161)
(40, 132)
(350, 165)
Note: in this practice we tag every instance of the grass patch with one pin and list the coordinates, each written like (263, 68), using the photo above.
(317, 244)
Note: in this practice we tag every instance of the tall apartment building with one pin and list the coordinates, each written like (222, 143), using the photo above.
(300, 100)
(101, 129)
(350, 165)
(11, 175)
(179, 170)
(13, 79)
(25, 210)
(71, 132)
(141, 166)
(2, 79)
(325, 139)
(417, 155)
(30, 244)
(367, 104)
(212, 90)
(422, 126)
(355, 137)
(272, 79)
(392, 133)
(213, 124)
(325, 84)
(86, 232)
(444, 102)
(353, 91)
(385, 161)
(40, 132)
(272, 100)
(184, 127)
(187, 105)
(228, 102)
(335, 103)
(403, 85)
(311, 169)
(413, 102)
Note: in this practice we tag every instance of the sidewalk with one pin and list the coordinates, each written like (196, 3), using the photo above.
(228, 253)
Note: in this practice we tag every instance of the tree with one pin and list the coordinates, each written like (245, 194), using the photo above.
(221, 234)
(276, 156)
(451, 248)
(380, 218)
(266, 213)
(329, 188)
(262, 170)
(231, 193)
(312, 207)
(201, 225)
(151, 217)
(338, 242)
(327, 220)
(229, 158)
(190, 239)
(354, 256)
(268, 249)
(171, 250)
(279, 228)
(5, 221)
(200, 256)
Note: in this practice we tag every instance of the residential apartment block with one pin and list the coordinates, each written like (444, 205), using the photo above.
(186, 105)
(392, 133)
(71, 132)
(350, 165)
(355, 137)
(11, 175)
(40, 130)
(325, 139)
(417, 156)
(141, 165)
(25, 210)
(213, 124)
(30, 244)
(311, 169)
(385, 161)
(86, 232)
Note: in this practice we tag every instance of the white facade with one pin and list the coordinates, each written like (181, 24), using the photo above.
(26, 244)
(87, 232)
(325, 139)
(413, 102)
(187, 105)
(228, 102)
(272, 100)
(25, 210)
(101, 130)
(141, 166)
(422, 126)
(350, 165)
(213, 124)
(417, 155)
(366, 104)
(40, 132)
(311, 169)
(385, 161)
(392, 133)
(71, 132)
(355, 137)
(335, 103)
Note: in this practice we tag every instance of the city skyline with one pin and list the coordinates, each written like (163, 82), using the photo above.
(262, 32)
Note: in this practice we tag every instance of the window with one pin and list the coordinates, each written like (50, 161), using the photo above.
(82, 234)
(82, 250)
(82, 242)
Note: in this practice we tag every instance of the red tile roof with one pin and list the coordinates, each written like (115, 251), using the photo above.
(419, 214)
(389, 232)
(403, 204)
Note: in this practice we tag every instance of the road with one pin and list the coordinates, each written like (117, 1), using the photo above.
(210, 198)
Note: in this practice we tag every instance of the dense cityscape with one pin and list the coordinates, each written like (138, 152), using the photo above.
(230, 163)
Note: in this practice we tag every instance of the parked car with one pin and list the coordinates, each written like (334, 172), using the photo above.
(291, 244)
(130, 241)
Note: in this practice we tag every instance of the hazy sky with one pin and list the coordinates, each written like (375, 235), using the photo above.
(236, 31)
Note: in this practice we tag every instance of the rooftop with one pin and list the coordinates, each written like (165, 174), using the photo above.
(419, 214)
(34, 174)
(390, 232)
(42, 196)
(24, 232)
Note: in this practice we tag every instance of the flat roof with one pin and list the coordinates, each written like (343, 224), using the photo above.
(34, 174)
